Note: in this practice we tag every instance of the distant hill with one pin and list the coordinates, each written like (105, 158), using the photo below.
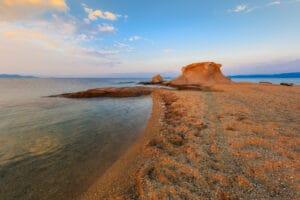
(284, 75)
(14, 76)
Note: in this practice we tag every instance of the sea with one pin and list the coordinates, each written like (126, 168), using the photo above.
(55, 148)
(295, 81)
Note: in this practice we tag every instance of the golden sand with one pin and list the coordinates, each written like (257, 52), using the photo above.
(235, 141)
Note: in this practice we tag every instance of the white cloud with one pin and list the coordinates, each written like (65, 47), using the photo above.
(100, 52)
(106, 28)
(134, 38)
(240, 8)
(123, 47)
(273, 3)
(243, 8)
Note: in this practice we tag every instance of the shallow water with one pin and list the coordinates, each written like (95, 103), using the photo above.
(54, 148)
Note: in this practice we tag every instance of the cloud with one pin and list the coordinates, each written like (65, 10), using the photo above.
(100, 52)
(138, 38)
(134, 38)
(49, 37)
(106, 28)
(273, 3)
(240, 8)
(26, 9)
(52, 47)
(56, 35)
(123, 47)
(96, 14)
(32, 59)
(243, 8)
(57, 4)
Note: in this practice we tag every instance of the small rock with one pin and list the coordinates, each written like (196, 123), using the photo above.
(157, 79)
(287, 84)
(265, 82)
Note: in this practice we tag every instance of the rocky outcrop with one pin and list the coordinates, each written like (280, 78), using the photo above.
(109, 92)
(157, 79)
(287, 84)
(205, 73)
(265, 83)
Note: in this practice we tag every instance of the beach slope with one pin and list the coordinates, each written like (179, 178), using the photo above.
(234, 141)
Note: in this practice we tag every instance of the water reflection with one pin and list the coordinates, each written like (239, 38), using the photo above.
(54, 148)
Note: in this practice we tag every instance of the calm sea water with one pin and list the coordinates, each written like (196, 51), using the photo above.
(54, 148)
(296, 81)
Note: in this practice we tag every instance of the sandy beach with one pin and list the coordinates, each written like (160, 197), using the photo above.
(234, 141)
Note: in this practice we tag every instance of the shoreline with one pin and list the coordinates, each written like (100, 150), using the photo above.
(232, 141)
(120, 173)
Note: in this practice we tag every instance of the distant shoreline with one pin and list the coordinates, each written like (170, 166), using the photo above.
(283, 75)
(15, 76)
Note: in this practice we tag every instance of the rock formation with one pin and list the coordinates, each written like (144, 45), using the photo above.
(205, 73)
(287, 84)
(157, 79)
(109, 92)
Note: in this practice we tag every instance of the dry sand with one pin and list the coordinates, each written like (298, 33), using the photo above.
(236, 141)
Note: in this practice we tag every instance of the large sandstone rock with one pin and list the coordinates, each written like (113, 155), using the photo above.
(205, 73)
(157, 79)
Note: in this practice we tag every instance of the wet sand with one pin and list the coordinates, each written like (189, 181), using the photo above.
(235, 141)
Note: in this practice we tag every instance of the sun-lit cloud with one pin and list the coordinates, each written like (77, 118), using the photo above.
(24, 9)
(98, 14)
(51, 35)
(47, 47)
(57, 35)
(57, 4)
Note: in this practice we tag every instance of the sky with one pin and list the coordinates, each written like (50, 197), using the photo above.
(98, 38)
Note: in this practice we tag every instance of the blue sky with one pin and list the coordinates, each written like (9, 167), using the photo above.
(102, 37)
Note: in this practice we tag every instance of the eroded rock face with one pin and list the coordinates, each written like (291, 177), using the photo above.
(157, 79)
(205, 73)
